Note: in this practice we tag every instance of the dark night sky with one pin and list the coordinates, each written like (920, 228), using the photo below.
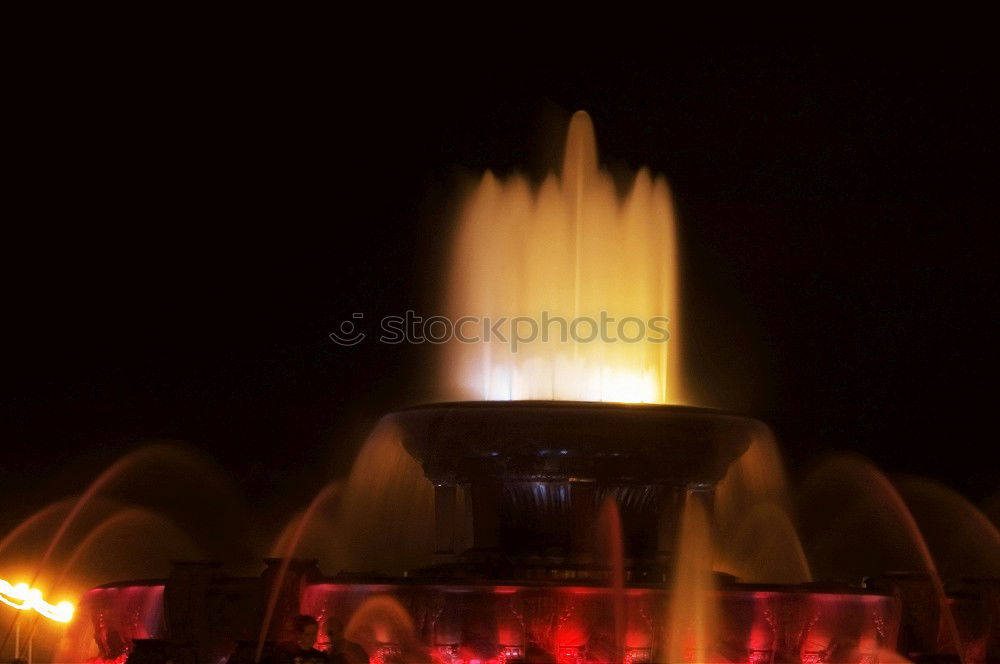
(183, 233)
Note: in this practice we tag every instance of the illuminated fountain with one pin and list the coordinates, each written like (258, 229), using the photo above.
(570, 251)
(567, 507)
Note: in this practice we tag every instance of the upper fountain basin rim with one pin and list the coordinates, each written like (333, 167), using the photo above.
(469, 441)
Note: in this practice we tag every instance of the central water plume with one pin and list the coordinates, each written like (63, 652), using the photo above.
(571, 260)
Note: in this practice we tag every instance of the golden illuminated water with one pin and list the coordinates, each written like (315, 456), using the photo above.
(692, 620)
(573, 247)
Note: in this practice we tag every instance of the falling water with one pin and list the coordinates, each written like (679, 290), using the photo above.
(141, 539)
(847, 500)
(758, 476)
(692, 603)
(756, 537)
(568, 249)
(766, 549)
(39, 520)
(965, 543)
(159, 472)
(387, 508)
(381, 520)
(290, 545)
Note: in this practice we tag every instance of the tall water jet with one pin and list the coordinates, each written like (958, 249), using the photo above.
(612, 549)
(560, 258)
(692, 630)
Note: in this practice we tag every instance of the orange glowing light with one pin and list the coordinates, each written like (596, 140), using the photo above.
(24, 598)
(589, 270)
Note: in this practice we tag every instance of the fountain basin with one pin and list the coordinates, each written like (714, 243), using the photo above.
(519, 484)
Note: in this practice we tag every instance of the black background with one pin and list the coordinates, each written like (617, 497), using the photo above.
(183, 231)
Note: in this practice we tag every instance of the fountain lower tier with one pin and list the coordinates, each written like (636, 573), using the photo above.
(542, 623)
(203, 617)
(518, 575)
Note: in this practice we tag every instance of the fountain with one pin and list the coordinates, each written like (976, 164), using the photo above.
(579, 512)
